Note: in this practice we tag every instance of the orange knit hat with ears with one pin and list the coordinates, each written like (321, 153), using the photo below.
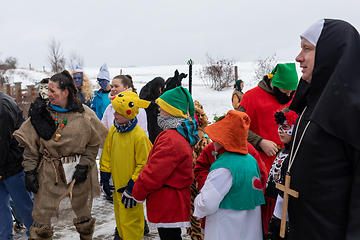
(231, 131)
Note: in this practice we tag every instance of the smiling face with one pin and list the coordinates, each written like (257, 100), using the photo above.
(43, 89)
(117, 86)
(306, 58)
(57, 96)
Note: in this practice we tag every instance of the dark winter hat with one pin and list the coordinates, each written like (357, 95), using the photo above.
(238, 82)
(284, 76)
(178, 102)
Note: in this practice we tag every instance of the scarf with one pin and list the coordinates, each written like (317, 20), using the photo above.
(127, 127)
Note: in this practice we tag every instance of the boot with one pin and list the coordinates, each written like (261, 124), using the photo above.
(116, 235)
(41, 232)
(146, 228)
(85, 227)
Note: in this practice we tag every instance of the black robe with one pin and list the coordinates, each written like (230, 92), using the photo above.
(326, 170)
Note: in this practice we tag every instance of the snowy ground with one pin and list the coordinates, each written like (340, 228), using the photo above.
(105, 224)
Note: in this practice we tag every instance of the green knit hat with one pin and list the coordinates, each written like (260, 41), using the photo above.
(285, 76)
(178, 102)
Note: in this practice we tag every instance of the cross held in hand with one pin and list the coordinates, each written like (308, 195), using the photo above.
(287, 191)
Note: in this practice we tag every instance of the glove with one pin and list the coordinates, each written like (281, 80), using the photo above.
(127, 198)
(31, 182)
(105, 183)
(274, 229)
(80, 173)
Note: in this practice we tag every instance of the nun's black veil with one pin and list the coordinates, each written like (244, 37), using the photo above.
(333, 96)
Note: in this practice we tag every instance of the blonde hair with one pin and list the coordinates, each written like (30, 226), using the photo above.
(86, 87)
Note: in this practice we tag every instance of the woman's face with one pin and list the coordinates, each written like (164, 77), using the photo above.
(57, 96)
(117, 86)
(306, 58)
(78, 79)
(241, 85)
(43, 89)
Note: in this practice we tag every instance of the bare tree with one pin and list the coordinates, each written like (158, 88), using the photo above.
(55, 57)
(74, 55)
(217, 74)
(264, 67)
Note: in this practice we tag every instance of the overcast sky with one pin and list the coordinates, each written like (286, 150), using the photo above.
(161, 32)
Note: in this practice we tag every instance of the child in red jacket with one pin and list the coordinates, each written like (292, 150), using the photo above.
(166, 179)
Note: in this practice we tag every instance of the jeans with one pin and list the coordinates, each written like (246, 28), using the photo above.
(14, 187)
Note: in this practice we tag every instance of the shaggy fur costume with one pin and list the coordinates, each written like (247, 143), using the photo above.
(195, 230)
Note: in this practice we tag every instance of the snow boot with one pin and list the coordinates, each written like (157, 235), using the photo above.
(116, 235)
(85, 227)
(41, 232)
(146, 228)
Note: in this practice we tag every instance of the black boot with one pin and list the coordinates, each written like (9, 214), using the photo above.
(146, 228)
(117, 237)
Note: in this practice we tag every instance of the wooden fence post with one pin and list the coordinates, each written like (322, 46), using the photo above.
(7, 88)
(30, 92)
(18, 91)
(236, 73)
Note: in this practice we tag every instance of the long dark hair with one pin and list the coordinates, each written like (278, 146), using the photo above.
(126, 80)
(65, 81)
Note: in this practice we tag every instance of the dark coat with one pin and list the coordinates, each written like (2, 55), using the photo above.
(151, 92)
(11, 154)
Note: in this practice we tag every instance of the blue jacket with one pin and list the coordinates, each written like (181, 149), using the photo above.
(96, 104)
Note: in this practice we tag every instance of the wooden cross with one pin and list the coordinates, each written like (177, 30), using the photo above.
(287, 191)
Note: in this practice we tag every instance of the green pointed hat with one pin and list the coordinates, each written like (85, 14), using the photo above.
(285, 76)
(178, 102)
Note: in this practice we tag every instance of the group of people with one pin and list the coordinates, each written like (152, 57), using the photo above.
(283, 129)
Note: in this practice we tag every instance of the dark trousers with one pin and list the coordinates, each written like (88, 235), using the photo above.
(170, 233)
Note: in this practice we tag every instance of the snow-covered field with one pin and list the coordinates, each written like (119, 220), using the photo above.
(214, 103)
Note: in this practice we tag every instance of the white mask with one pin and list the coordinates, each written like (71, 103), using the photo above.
(43, 89)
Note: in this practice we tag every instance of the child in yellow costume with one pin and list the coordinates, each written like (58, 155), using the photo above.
(124, 155)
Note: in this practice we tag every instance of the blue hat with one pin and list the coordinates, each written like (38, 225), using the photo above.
(104, 73)
(76, 67)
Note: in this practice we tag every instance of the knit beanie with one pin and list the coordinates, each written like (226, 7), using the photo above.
(231, 131)
(128, 104)
(178, 102)
(104, 73)
(238, 82)
(76, 67)
(284, 76)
